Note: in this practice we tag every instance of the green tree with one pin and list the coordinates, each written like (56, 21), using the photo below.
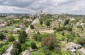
(66, 22)
(81, 41)
(31, 26)
(33, 45)
(10, 38)
(47, 51)
(41, 21)
(69, 28)
(49, 41)
(47, 23)
(22, 36)
(14, 51)
(17, 45)
(2, 36)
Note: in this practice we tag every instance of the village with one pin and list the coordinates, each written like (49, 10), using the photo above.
(42, 34)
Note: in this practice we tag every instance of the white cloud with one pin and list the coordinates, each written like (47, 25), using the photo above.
(50, 6)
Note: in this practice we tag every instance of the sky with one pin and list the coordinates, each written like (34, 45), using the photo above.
(49, 6)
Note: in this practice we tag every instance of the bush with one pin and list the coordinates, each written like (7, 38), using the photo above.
(47, 51)
(47, 23)
(60, 29)
(33, 45)
(2, 36)
(10, 38)
(38, 37)
(81, 41)
(17, 45)
(69, 28)
(22, 37)
(41, 21)
(66, 22)
(31, 26)
(49, 42)
(23, 47)
(14, 51)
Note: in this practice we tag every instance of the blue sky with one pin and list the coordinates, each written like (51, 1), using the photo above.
(49, 6)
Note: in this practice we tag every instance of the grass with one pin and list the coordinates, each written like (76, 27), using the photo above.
(3, 48)
(60, 37)
(28, 43)
(65, 53)
(8, 28)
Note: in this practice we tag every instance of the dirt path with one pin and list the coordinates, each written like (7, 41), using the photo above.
(7, 52)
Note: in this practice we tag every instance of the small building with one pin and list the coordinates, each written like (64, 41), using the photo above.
(26, 52)
(21, 26)
(72, 46)
(16, 29)
(82, 51)
(46, 31)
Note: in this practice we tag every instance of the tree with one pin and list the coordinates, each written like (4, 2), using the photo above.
(38, 37)
(2, 36)
(60, 28)
(49, 42)
(10, 38)
(22, 36)
(23, 47)
(47, 23)
(66, 22)
(41, 21)
(47, 51)
(31, 26)
(81, 41)
(14, 51)
(17, 45)
(69, 28)
(33, 45)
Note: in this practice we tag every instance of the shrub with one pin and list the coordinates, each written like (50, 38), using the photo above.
(23, 47)
(47, 51)
(10, 38)
(2, 36)
(41, 21)
(33, 45)
(49, 42)
(81, 41)
(38, 37)
(22, 37)
(66, 22)
(47, 23)
(17, 45)
(69, 28)
(14, 51)
(31, 26)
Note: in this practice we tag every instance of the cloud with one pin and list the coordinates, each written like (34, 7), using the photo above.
(50, 6)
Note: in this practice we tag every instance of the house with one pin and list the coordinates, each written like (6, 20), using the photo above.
(16, 29)
(82, 51)
(46, 31)
(26, 52)
(21, 26)
(72, 46)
